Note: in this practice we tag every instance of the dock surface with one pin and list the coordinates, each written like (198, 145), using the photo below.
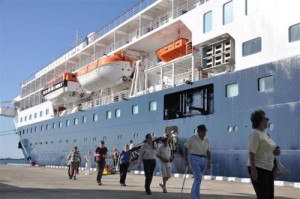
(21, 182)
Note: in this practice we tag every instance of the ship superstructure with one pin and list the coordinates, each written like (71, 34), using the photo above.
(175, 64)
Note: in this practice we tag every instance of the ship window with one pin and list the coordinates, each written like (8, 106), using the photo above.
(67, 122)
(59, 124)
(41, 113)
(227, 13)
(85, 139)
(294, 33)
(51, 142)
(60, 141)
(108, 115)
(35, 115)
(27, 130)
(21, 119)
(251, 6)
(67, 141)
(207, 19)
(35, 129)
(118, 112)
(94, 138)
(47, 111)
(153, 106)
(135, 109)
(83, 119)
(31, 130)
(75, 140)
(75, 121)
(47, 126)
(252, 46)
(189, 103)
(95, 117)
(232, 90)
(46, 142)
(265, 84)
(25, 118)
(41, 127)
(30, 117)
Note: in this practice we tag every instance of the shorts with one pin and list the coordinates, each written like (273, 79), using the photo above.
(165, 169)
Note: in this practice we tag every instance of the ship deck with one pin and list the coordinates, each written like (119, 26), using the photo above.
(43, 182)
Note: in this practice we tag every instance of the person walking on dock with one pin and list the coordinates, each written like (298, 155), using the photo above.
(198, 148)
(262, 151)
(88, 162)
(125, 156)
(147, 155)
(74, 158)
(164, 154)
(100, 154)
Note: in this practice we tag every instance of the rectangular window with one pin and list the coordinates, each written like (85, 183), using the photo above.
(252, 46)
(67, 122)
(108, 115)
(41, 127)
(41, 113)
(251, 6)
(25, 119)
(35, 115)
(47, 111)
(75, 121)
(47, 126)
(53, 125)
(95, 117)
(227, 13)
(21, 119)
(232, 90)
(118, 112)
(153, 106)
(30, 117)
(60, 124)
(294, 33)
(207, 22)
(135, 109)
(265, 84)
(83, 119)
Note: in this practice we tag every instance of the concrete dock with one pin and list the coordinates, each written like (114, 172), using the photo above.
(21, 182)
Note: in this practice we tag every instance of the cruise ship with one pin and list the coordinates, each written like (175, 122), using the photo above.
(164, 67)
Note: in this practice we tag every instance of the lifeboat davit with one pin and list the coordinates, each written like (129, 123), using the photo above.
(105, 72)
(174, 50)
(63, 89)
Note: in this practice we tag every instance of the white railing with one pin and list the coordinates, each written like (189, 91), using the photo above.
(123, 95)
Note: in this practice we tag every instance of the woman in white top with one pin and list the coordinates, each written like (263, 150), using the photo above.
(147, 155)
(262, 151)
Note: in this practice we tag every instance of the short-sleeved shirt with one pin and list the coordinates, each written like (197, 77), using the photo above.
(164, 152)
(101, 151)
(260, 143)
(197, 146)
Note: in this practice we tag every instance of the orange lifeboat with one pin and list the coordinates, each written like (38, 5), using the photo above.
(174, 50)
(62, 88)
(105, 72)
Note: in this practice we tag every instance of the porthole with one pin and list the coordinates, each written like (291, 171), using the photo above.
(235, 128)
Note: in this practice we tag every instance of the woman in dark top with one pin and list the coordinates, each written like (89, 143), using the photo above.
(124, 164)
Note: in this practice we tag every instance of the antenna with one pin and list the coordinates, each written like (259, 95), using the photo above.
(76, 42)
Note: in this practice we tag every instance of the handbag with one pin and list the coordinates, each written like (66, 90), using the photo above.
(279, 169)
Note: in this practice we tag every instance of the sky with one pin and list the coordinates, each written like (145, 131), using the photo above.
(33, 33)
